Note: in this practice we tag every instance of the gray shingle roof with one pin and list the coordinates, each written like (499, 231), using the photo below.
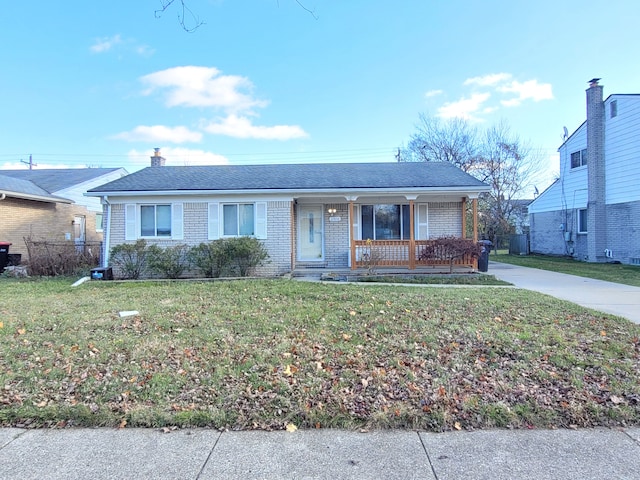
(299, 177)
(53, 180)
(21, 188)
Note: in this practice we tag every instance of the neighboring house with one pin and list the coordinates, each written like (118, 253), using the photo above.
(307, 215)
(50, 204)
(519, 216)
(592, 212)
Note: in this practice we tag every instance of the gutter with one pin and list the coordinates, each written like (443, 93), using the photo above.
(107, 233)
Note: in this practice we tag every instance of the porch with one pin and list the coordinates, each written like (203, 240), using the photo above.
(408, 254)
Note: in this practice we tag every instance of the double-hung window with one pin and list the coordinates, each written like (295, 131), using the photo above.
(238, 219)
(579, 158)
(155, 220)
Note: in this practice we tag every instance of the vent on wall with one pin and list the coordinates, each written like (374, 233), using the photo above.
(635, 260)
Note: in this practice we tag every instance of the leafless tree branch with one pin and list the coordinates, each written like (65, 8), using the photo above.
(195, 21)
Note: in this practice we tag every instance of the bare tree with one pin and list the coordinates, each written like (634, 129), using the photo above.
(495, 156)
(453, 141)
(508, 165)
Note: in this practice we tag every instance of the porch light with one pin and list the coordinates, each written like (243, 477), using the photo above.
(331, 211)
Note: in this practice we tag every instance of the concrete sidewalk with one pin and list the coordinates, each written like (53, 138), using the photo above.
(614, 298)
(324, 454)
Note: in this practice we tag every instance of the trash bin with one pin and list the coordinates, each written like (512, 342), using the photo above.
(103, 273)
(4, 254)
(483, 259)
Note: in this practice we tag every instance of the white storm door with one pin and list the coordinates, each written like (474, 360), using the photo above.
(310, 232)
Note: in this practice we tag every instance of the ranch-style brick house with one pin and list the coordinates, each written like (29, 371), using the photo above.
(307, 215)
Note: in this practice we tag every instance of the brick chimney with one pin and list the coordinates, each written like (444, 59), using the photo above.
(157, 160)
(596, 207)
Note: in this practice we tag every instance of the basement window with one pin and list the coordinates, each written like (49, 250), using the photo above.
(582, 220)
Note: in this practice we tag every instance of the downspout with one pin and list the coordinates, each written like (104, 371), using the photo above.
(107, 233)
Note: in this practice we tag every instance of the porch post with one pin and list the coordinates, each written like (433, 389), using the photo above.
(351, 233)
(475, 219)
(412, 238)
(464, 217)
(293, 235)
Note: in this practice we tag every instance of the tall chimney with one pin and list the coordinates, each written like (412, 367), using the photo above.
(157, 160)
(596, 207)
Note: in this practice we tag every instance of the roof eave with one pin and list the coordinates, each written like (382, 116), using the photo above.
(466, 189)
(37, 198)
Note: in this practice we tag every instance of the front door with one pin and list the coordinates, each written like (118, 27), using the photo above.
(310, 233)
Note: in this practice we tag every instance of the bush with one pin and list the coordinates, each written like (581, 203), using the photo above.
(450, 248)
(237, 256)
(47, 258)
(130, 259)
(211, 258)
(169, 262)
(246, 253)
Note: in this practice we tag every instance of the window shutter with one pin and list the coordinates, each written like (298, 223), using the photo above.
(422, 224)
(130, 224)
(214, 221)
(177, 221)
(261, 220)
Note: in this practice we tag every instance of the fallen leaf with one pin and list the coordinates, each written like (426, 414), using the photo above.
(290, 370)
(291, 427)
(346, 336)
(616, 400)
(352, 313)
(603, 333)
(123, 423)
(1, 324)
(22, 331)
(457, 426)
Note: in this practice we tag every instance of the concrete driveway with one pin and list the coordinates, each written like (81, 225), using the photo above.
(614, 298)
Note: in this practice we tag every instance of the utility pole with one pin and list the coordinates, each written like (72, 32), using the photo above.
(30, 162)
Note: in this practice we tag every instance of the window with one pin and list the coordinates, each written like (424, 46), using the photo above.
(155, 220)
(385, 222)
(98, 222)
(238, 219)
(579, 158)
(613, 106)
(582, 220)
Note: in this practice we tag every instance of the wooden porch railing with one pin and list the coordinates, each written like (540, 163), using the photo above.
(401, 253)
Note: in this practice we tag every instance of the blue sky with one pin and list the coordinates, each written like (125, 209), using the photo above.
(101, 83)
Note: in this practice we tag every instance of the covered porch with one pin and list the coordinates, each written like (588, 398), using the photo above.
(403, 248)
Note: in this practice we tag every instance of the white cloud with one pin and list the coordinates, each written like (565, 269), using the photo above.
(179, 157)
(116, 42)
(193, 86)
(241, 127)
(464, 108)
(105, 44)
(433, 93)
(160, 134)
(488, 80)
(530, 89)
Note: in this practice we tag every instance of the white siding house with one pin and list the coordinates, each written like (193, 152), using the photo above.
(592, 212)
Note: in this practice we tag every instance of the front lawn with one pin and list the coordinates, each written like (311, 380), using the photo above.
(271, 353)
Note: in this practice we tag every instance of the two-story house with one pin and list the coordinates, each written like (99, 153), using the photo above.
(592, 212)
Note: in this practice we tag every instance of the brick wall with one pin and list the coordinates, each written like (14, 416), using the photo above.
(337, 236)
(51, 221)
(445, 219)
